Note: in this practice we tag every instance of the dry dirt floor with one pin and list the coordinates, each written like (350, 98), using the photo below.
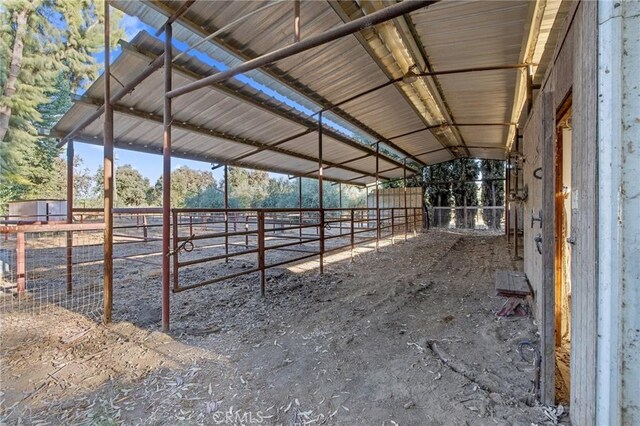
(404, 336)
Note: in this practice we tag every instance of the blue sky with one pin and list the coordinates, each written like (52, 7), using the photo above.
(150, 165)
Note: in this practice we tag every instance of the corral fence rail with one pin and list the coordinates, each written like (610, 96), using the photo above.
(46, 264)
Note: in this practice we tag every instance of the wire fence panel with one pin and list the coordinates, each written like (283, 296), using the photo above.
(52, 265)
(471, 217)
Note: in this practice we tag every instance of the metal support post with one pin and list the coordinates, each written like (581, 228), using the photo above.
(108, 173)
(377, 196)
(261, 249)
(406, 212)
(320, 193)
(70, 154)
(226, 213)
(166, 179)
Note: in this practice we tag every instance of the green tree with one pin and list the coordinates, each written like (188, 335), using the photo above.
(492, 191)
(44, 44)
(131, 186)
(186, 183)
(211, 197)
(465, 191)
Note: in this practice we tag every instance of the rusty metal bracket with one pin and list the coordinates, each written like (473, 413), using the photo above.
(536, 219)
(538, 240)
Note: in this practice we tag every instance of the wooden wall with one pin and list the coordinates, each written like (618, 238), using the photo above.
(584, 172)
(573, 71)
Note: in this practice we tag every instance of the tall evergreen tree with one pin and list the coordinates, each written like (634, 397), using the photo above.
(492, 191)
(44, 45)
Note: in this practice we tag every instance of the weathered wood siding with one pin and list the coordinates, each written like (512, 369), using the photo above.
(532, 149)
(584, 171)
(573, 72)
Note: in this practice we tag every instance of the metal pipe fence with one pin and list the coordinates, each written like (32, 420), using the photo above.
(60, 264)
(261, 239)
(38, 271)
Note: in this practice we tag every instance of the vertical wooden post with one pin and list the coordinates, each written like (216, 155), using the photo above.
(70, 154)
(145, 229)
(21, 267)
(529, 81)
(166, 179)
(547, 294)
(320, 193)
(377, 196)
(108, 173)
(226, 213)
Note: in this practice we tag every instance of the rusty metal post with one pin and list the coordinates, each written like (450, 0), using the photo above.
(108, 173)
(226, 213)
(300, 208)
(70, 154)
(21, 267)
(340, 204)
(353, 234)
(507, 205)
(393, 224)
(296, 21)
(406, 212)
(261, 249)
(367, 205)
(320, 193)
(517, 205)
(166, 179)
(377, 196)
(175, 242)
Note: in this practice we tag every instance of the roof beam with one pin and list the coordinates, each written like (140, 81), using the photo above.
(333, 34)
(84, 138)
(340, 9)
(287, 115)
(271, 70)
(178, 13)
(145, 115)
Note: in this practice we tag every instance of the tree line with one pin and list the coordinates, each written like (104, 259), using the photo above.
(195, 189)
(452, 184)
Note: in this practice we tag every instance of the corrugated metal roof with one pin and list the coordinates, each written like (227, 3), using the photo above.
(243, 121)
(211, 126)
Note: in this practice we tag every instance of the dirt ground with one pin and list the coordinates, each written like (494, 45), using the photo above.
(404, 336)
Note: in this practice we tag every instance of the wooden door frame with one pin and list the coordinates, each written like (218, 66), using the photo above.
(559, 265)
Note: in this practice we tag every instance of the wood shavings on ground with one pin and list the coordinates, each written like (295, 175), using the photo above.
(364, 343)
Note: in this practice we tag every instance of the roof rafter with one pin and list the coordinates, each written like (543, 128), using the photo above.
(287, 115)
(145, 115)
(275, 73)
